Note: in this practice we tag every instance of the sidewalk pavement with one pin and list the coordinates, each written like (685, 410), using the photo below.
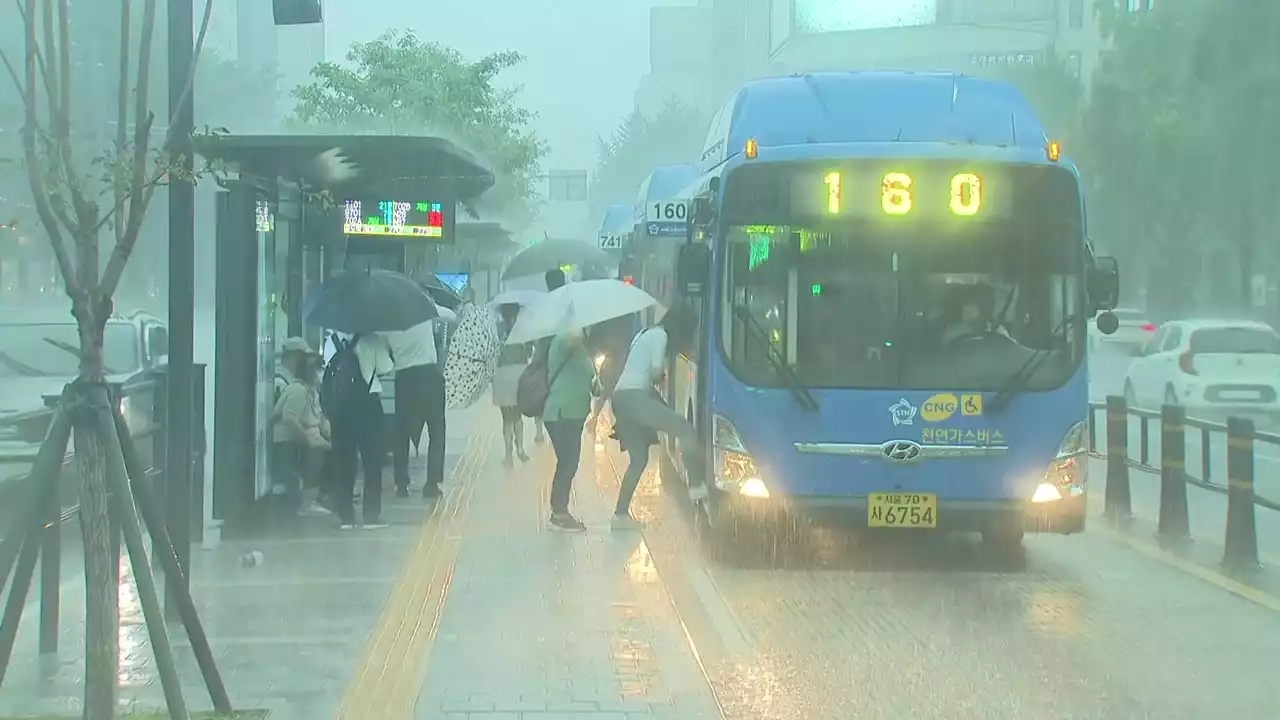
(540, 624)
(472, 610)
(286, 634)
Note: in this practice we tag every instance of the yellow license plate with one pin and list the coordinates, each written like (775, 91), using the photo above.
(902, 510)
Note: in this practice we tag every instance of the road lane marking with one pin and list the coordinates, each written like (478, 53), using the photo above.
(1235, 587)
(388, 678)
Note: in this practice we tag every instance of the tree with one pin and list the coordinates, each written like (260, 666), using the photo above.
(1236, 68)
(640, 144)
(1143, 148)
(76, 200)
(398, 84)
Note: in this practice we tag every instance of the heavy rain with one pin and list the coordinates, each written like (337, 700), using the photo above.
(670, 359)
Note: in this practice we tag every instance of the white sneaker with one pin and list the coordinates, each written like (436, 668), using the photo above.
(314, 509)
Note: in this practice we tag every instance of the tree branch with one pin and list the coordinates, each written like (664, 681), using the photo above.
(141, 144)
(38, 192)
(80, 206)
(141, 199)
(122, 118)
(44, 70)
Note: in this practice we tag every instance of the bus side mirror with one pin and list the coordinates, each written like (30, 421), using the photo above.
(1103, 284)
(693, 269)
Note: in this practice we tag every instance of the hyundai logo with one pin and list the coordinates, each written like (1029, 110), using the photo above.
(900, 451)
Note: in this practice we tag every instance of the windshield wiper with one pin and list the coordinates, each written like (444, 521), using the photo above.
(67, 347)
(21, 367)
(1018, 380)
(798, 390)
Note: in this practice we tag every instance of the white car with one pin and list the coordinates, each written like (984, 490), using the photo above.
(1216, 368)
(1132, 335)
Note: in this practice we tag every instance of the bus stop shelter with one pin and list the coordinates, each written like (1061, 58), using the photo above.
(281, 231)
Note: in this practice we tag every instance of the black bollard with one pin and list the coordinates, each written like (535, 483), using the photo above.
(1175, 522)
(1240, 551)
(1118, 503)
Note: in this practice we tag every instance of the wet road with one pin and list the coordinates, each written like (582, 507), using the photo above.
(837, 625)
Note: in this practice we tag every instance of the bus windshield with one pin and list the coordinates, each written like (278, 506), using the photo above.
(858, 303)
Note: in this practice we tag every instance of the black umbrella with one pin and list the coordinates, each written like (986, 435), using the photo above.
(442, 294)
(361, 301)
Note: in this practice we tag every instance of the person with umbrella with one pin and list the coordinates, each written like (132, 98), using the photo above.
(555, 280)
(354, 409)
(420, 399)
(564, 315)
(362, 304)
(512, 361)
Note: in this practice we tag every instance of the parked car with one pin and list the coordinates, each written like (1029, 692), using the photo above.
(1216, 368)
(1129, 338)
(40, 353)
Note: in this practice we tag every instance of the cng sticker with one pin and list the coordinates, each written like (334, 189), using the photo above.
(971, 405)
(939, 407)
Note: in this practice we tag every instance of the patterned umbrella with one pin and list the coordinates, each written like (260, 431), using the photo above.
(473, 355)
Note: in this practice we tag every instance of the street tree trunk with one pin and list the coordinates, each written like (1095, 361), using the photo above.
(101, 554)
(101, 575)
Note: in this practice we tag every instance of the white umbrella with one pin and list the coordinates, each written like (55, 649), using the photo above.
(576, 306)
(516, 297)
(473, 356)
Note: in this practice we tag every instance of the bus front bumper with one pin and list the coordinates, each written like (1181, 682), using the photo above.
(1064, 517)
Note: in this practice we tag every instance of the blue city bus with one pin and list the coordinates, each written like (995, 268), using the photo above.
(893, 280)
(654, 241)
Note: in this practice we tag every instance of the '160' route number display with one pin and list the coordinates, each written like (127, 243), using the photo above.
(666, 211)
(898, 193)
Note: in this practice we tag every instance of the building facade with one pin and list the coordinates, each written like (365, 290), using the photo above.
(703, 53)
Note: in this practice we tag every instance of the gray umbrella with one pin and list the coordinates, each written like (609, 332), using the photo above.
(551, 254)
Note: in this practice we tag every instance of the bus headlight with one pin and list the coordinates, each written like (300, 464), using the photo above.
(736, 470)
(1067, 472)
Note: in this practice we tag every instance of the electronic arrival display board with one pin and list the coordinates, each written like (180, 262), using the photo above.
(419, 219)
(905, 191)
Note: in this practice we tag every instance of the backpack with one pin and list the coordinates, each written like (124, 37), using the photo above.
(535, 382)
(343, 384)
(281, 382)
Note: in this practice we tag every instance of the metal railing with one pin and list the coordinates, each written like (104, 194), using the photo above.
(142, 403)
(1173, 429)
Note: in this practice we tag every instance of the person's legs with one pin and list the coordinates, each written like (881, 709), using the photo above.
(643, 410)
(639, 460)
(286, 473)
(538, 424)
(513, 433)
(402, 442)
(372, 446)
(517, 433)
(566, 440)
(344, 457)
(433, 397)
(508, 438)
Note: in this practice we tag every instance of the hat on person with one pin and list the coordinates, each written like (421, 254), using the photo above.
(295, 345)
